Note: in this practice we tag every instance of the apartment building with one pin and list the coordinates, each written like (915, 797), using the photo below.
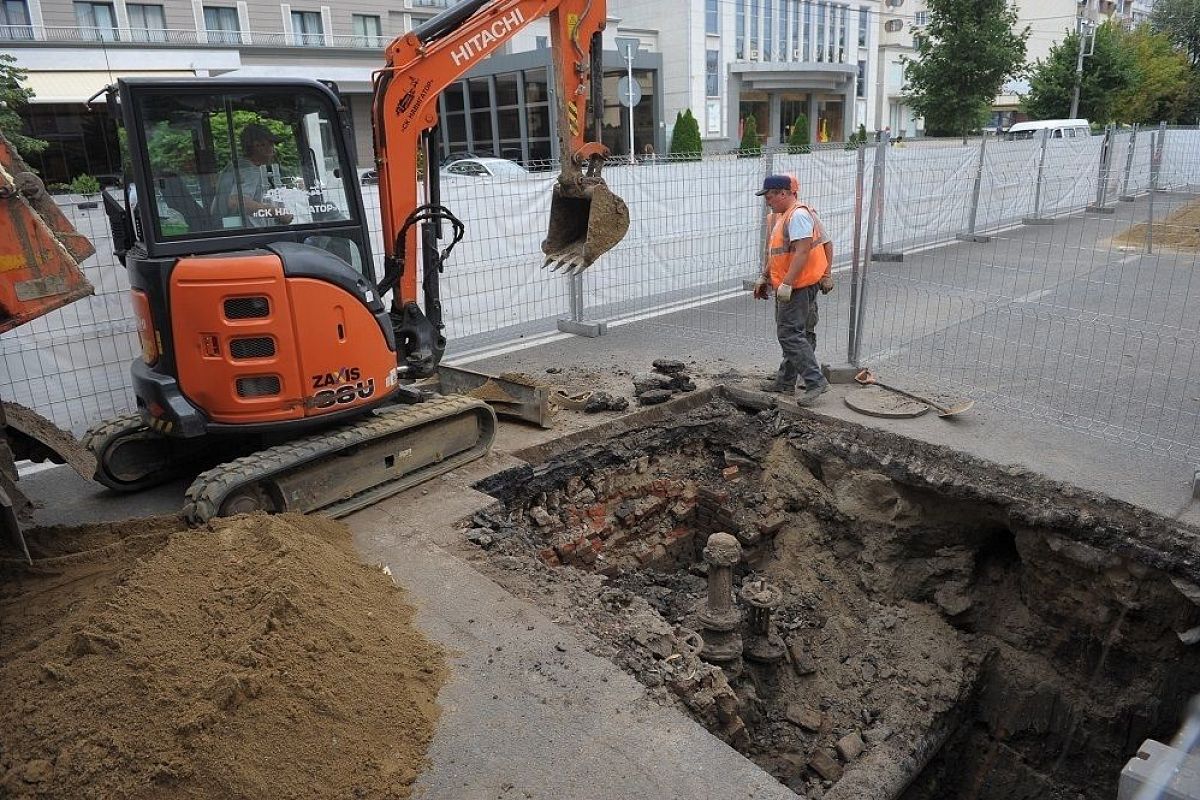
(72, 49)
(1049, 21)
(727, 60)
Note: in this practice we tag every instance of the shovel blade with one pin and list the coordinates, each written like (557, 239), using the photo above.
(583, 227)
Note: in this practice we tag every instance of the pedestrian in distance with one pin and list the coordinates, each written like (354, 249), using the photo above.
(797, 267)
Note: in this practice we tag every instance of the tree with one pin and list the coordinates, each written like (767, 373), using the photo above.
(1107, 73)
(1162, 79)
(966, 53)
(750, 145)
(798, 139)
(685, 137)
(1179, 20)
(12, 96)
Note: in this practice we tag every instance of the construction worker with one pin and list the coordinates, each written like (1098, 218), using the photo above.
(797, 266)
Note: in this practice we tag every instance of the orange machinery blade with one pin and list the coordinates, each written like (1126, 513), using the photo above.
(40, 251)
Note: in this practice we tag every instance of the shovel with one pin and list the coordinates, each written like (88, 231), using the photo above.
(867, 378)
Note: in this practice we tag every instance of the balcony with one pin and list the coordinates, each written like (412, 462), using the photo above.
(52, 34)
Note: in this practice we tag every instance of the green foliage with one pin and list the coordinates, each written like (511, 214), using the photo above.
(12, 96)
(798, 139)
(750, 146)
(1107, 74)
(1162, 80)
(172, 149)
(685, 138)
(857, 138)
(1179, 21)
(85, 184)
(966, 53)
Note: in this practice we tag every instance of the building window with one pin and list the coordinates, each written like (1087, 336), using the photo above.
(97, 21)
(784, 9)
(306, 28)
(222, 25)
(712, 69)
(861, 88)
(712, 18)
(808, 29)
(434, 3)
(14, 20)
(821, 9)
(712, 125)
(740, 17)
(754, 30)
(146, 22)
(921, 19)
(368, 30)
(864, 16)
(768, 28)
(797, 46)
(843, 22)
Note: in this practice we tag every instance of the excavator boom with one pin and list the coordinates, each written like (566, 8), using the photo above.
(586, 219)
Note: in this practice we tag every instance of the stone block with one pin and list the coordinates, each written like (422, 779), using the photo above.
(850, 746)
(807, 718)
(1151, 769)
(772, 524)
(825, 765)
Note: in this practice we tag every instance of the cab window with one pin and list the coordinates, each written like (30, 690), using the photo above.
(222, 163)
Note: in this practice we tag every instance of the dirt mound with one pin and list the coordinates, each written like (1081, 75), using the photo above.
(255, 658)
(1179, 231)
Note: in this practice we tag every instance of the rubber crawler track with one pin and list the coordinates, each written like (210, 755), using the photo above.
(203, 499)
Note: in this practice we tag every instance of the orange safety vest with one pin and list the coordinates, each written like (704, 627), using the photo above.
(779, 250)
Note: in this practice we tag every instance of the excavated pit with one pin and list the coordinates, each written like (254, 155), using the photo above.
(949, 627)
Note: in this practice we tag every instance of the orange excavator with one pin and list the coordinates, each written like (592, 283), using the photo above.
(269, 344)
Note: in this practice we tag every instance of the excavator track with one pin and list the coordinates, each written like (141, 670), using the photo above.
(342, 470)
(130, 456)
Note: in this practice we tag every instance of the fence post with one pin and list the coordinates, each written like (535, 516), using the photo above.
(1125, 196)
(576, 324)
(879, 199)
(971, 235)
(1037, 218)
(1102, 176)
(873, 212)
(855, 270)
(1155, 156)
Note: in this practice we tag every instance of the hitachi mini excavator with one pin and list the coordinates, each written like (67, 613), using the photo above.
(265, 336)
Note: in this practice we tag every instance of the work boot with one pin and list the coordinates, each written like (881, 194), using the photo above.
(775, 387)
(809, 396)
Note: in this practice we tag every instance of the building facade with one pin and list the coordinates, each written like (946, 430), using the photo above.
(72, 50)
(727, 60)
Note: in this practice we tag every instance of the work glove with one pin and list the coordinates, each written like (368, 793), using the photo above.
(760, 288)
(826, 283)
(784, 292)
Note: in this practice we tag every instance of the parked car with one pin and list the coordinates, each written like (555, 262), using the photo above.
(1059, 129)
(450, 158)
(485, 168)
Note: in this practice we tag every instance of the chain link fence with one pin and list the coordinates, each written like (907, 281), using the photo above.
(1049, 277)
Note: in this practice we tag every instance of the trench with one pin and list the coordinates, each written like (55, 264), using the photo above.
(907, 621)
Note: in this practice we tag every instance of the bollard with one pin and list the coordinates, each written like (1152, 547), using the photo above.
(971, 235)
(1037, 218)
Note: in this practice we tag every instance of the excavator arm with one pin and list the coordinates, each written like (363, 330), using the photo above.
(586, 218)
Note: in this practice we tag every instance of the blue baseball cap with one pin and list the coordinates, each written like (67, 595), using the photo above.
(775, 182)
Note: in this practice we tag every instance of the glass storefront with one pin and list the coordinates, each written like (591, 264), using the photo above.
(81, 142)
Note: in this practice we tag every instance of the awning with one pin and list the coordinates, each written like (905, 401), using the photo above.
(76, 87)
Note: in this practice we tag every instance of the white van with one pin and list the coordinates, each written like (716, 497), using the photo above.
(1059, 129)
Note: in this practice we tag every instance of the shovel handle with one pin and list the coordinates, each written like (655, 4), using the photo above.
(867, 378)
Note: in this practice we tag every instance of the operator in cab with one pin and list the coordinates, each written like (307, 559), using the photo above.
(250, 175)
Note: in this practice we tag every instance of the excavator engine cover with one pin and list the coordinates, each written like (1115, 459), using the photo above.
(586, 221)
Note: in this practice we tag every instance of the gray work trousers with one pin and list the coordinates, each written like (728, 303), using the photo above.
(795, 324)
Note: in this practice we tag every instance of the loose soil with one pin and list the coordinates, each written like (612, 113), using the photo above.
(1178, 231)
(255, 658)
(931, 602)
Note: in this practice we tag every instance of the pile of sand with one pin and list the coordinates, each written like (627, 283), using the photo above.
(1178, 231)
(256, 658)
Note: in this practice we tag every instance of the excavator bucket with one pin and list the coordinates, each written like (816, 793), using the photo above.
(39, 250)
(586, 221)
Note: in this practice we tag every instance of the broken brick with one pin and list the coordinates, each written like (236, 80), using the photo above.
(772, 524)
(825, 765)
(549, 556)
(850, 746)
(729, 473)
